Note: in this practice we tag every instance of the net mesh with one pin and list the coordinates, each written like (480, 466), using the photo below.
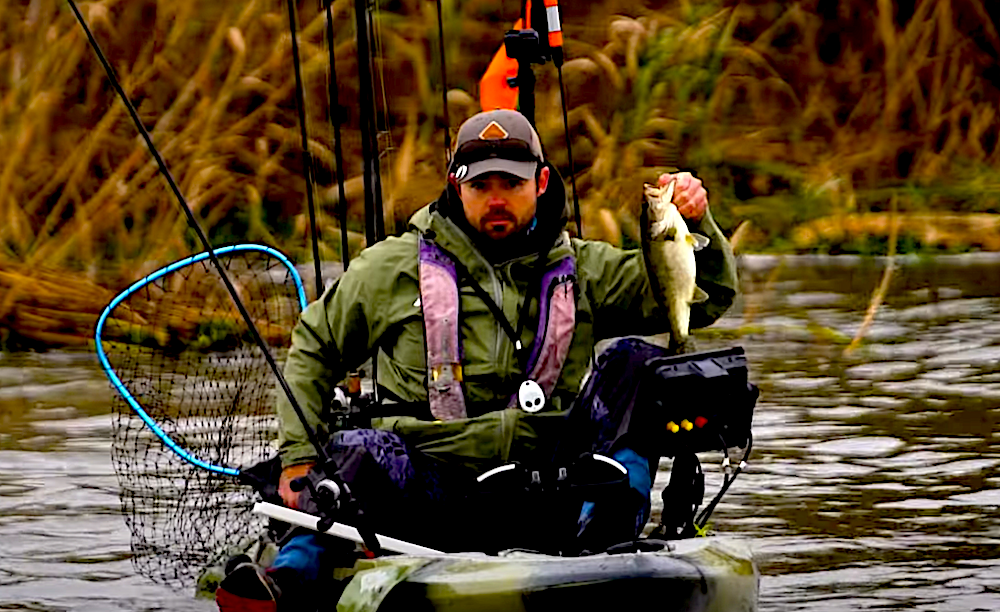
(183, 351)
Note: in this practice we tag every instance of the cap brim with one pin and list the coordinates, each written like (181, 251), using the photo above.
(521, 169)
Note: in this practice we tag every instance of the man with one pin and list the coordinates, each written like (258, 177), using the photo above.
(484, 294)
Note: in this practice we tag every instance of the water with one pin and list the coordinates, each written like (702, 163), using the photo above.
(873, 483)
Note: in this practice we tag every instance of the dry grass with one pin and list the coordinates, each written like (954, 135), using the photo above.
(933, 230)
(883, 287)
(794, 115)
(783, 131)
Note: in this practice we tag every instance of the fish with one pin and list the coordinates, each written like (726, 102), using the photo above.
(668, 248)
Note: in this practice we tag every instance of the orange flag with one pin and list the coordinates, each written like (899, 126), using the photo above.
(494, 92)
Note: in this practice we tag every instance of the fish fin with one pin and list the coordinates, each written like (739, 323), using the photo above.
(699, 295)
(698, 241)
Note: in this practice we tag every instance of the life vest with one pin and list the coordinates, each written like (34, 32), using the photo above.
(439, 299)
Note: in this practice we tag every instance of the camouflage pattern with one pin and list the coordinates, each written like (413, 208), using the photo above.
(698, 575)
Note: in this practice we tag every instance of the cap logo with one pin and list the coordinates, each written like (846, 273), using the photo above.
(461, 172)
(493, 131)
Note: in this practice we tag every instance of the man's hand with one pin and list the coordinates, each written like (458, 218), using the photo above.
(290, 473)
(690, 196)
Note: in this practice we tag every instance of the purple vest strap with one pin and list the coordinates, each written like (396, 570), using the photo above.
(440, 302)
(556, 322)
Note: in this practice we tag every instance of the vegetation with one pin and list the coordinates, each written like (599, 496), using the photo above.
(804, 120)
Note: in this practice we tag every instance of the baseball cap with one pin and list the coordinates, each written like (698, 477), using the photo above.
(496, 141)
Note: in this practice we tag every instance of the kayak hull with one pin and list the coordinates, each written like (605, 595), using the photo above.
(697, 575)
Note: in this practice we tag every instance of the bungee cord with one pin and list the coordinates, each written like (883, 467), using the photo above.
(702, 520)
(300, 104)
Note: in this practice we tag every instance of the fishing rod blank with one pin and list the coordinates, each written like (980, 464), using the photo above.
(338, 154)
(569, 153)
(300, 104)
(193, 222)
(374, 223)
(444, 88)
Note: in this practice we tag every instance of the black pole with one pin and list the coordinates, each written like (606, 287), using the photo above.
(444, 88)
(338, 154)
(375, 226)
(300, 103)
(569, 153)
(526, 89)
(374, 223)
(193, 222)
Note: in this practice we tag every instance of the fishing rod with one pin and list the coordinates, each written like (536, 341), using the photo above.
(193, 223)
(335, 118)
(322, 492)
(374, 221)
(375, 225)
(300, 104)
(556, 44)
(212, 255)
(444, 88)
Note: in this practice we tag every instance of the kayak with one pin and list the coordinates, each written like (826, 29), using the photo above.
(704, 574)
(714, 574)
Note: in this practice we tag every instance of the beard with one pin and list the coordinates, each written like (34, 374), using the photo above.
(496, 220)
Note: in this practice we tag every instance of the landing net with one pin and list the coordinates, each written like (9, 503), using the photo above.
(185, 355)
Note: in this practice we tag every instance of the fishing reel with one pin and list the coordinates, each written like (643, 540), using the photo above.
(349, 407)
(324, 495)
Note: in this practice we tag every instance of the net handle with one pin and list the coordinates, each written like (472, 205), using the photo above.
(116, 381)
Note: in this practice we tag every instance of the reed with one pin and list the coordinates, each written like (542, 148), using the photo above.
(883, 287)
(798, 122)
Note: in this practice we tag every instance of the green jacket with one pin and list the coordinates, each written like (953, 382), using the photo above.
(375, 304)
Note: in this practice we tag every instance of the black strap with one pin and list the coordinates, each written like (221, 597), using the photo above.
(464, 275)
(521, 354)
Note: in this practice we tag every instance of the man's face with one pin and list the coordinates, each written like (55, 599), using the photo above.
(499, 204)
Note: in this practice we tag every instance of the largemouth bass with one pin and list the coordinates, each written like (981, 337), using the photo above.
(668, 248)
